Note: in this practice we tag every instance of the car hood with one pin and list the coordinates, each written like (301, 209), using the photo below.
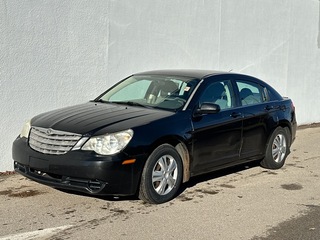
(91, 117)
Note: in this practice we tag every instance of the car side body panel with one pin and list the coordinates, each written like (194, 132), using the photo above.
(216, 141)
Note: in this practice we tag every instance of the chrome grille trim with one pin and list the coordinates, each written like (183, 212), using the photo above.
(50, 141)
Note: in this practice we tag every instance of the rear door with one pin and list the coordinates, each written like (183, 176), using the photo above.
(256, 116)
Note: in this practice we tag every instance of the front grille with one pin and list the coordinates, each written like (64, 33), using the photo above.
(50, 141)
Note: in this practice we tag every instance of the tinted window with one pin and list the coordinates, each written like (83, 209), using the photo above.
(250, 93)
(219, 93)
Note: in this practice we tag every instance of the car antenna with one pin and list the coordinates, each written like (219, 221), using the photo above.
(230, 70)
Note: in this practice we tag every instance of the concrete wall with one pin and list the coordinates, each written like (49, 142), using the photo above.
(55, 53)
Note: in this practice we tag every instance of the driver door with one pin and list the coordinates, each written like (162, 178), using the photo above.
(217, 137)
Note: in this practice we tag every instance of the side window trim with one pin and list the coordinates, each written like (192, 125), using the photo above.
(266, 95)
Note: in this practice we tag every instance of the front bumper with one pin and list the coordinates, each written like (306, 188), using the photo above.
(81, 171)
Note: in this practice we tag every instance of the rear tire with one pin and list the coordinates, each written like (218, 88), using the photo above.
(161, 176)
(277, 149)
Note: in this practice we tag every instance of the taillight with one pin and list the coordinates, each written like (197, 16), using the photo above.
(292, 106)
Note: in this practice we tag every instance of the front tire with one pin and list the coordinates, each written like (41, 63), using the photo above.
(277, 150)
(161, 176)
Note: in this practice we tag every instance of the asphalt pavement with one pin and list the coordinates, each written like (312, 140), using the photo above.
(244, 202)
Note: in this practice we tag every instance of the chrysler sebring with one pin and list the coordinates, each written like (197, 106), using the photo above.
(154, 130)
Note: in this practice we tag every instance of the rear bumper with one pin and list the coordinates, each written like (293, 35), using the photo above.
(293, 128)
(80, 171)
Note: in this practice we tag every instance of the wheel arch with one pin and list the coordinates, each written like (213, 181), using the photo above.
(181, 147)
(283, 124)
(269, 160)
(287, 127)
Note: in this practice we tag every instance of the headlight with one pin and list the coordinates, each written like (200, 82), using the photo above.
(110, 143)
(26, 129)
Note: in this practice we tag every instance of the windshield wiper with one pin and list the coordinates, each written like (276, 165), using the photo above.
(100, 100)
(130, 103)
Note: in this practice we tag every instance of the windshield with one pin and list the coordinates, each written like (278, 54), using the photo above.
(165, 92)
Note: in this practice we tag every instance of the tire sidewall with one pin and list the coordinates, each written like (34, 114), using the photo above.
(146, 179)
(269, 161)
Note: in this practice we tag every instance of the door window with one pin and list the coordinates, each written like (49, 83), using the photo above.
(250, 93)
(219, 93)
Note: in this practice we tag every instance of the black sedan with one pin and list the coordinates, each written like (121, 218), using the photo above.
(154, 130)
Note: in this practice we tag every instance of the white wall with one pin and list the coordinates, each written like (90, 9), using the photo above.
(55, 53)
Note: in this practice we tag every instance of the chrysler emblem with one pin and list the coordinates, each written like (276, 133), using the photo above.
(49, 131)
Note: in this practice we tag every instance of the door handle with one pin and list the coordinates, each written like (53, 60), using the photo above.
(236, 114)
(268, 108)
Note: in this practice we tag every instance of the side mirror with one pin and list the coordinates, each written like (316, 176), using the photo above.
(207, 108)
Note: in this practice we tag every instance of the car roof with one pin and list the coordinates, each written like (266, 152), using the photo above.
(195, 73)
(199, 74)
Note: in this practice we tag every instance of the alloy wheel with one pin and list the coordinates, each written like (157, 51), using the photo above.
(164, 174)
(279, 148)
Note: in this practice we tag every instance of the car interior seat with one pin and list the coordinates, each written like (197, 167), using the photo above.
(168, 88)
(247, 97)
(215, 93)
